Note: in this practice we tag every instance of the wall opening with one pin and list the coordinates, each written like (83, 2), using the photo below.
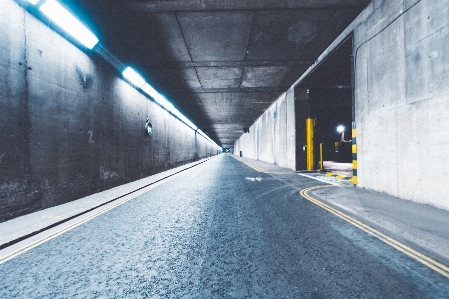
(326, 95)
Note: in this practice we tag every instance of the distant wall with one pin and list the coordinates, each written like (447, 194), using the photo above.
(402, 100)
(69, 126)
(272, 137)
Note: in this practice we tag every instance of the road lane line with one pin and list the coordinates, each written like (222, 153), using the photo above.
(425, 260)
(113, 205)
(318, 179)
(253, 167)
(259, 169)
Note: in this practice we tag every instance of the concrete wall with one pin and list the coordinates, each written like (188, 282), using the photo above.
(402, 100)
(272, 137)
(70, 126)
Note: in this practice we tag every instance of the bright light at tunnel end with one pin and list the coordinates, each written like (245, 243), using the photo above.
(64, 19)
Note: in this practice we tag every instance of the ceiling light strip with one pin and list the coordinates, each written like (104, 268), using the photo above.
(136, 79)
(64, 19)
(133, 77)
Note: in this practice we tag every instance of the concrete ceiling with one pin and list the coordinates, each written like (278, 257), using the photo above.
(221, 62)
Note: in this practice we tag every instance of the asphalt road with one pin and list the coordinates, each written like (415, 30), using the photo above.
(220, 230)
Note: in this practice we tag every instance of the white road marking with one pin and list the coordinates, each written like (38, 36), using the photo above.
(332, 181)
(253, 179)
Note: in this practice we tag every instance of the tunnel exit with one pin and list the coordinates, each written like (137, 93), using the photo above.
(325, 115)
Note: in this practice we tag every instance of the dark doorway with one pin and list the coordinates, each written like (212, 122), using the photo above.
(326, 95)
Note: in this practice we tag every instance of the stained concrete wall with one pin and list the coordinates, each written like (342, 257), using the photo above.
(272, 137)
(70, 126)
(402, 100)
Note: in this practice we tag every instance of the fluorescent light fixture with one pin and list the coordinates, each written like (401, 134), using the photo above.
(34, 2)
(63, 18)
(188, 122)
(149, 90)
(183, 118)
(201, 132)
(163, 101)
(176, 113)
(133, 77)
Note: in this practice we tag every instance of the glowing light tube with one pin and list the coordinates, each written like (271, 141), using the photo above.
(161, 100)
(133, 77)
(63, 18)
(149, 90)
(184, 119)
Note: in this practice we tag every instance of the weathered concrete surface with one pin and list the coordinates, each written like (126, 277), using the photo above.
(272, 137)
(198, 51)
(402, 89)
(194, 237)
(70, 126)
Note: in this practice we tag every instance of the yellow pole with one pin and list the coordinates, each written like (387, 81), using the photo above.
(321, 156)
(354, 154)
(309, 143)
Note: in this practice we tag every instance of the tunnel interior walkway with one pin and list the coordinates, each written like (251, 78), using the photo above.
(221, 229)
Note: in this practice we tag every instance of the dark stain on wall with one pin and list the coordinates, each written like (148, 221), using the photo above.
(85, 80)
(25, 119)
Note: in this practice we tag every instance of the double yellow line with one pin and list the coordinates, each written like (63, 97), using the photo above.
(249, 165)
(434, 265)
(255, 168)
(65, 229)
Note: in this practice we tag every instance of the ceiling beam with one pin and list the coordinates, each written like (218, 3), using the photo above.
(229, 90)
(188, 64)
(139, 6)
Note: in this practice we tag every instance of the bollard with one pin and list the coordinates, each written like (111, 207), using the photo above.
(354, 154)
(321, 156)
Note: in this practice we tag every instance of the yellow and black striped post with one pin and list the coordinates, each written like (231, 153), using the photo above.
(354, 155)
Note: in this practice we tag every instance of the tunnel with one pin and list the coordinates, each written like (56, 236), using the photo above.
(224, 149)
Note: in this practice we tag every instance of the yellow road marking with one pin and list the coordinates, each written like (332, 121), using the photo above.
(434, 265)
(119, 202)
(258, 169)
(338, 176)
(253, 167)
